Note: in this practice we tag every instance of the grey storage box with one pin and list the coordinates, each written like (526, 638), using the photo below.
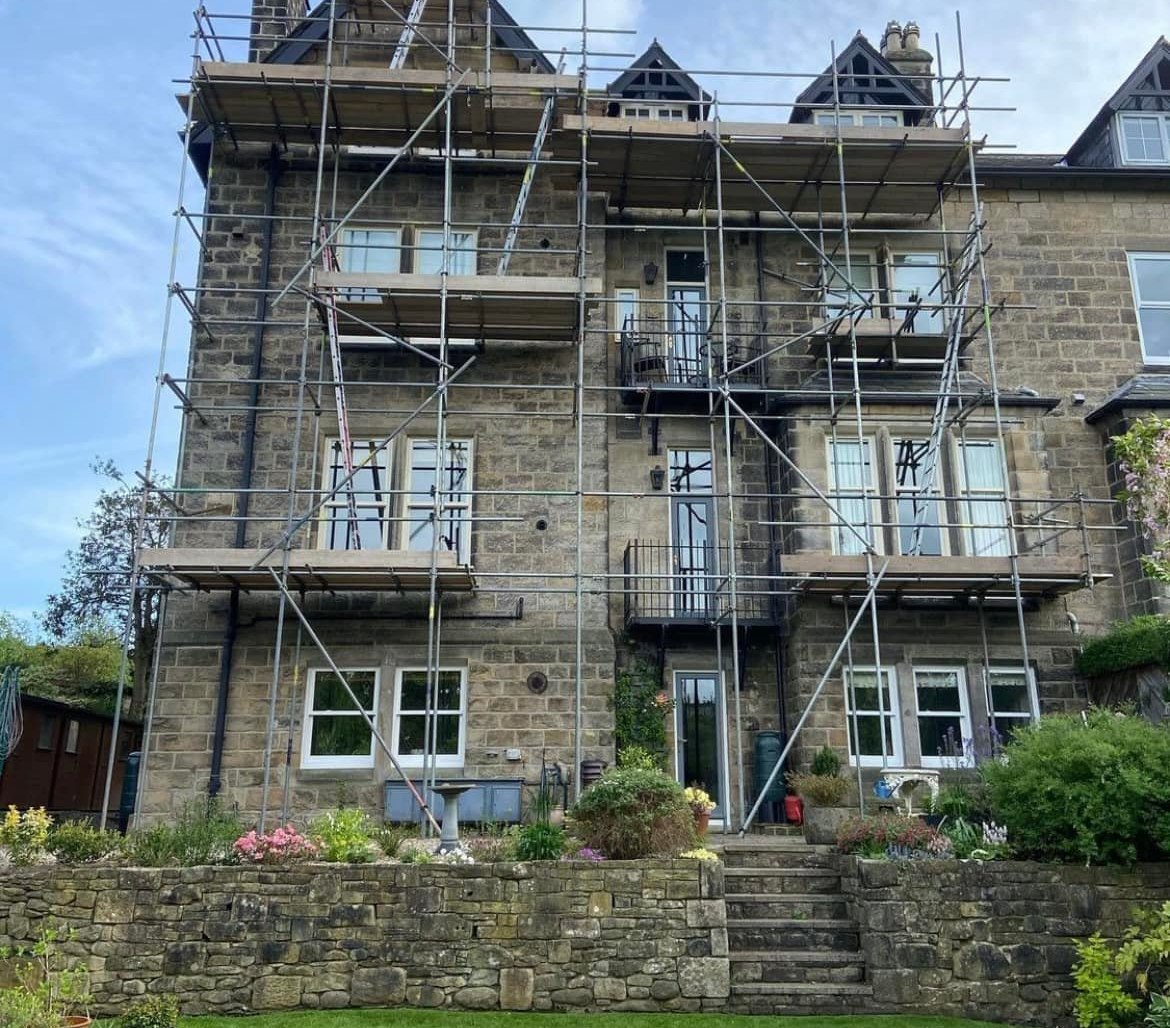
(491, 799)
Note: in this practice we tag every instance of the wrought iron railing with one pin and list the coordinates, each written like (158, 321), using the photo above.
(685, 352)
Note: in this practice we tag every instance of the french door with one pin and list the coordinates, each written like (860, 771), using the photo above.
(692, 528)
(699, 734)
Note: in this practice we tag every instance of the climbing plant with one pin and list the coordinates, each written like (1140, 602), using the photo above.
(1143, 455)
(640, 708)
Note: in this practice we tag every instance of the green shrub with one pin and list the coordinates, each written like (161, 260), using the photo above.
(634, 812)
(1113, 983)
(390, 837)
(955, 801)
(45, 989)
(24, 835)
(640, 708)
(152, 1012)
(1158, 1016)
(1141, 640)
(540, 841)
(78, 842)
(639, 756)
(820, 790)
(1091, 791)
(826, 763)
(1101, 1001)
(343, 836)
(204, 833)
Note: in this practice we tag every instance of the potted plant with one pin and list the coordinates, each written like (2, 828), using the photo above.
(822, 788)
(46, 993)
(701, 806)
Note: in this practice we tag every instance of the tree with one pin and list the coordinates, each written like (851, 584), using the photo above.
(1143, 455)
(97, 583)
(82, 671)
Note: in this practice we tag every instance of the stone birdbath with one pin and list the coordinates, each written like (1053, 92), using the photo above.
(451, 790)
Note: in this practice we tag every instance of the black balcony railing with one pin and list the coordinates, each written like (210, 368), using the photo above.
(688, 353)
(689, 584)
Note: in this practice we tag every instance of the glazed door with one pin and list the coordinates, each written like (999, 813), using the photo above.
(699, 734)
(686, 329)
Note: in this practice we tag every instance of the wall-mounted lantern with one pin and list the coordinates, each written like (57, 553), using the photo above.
(650, 273)
(657, 477)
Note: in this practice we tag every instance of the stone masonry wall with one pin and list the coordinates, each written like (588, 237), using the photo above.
(620, 936)
(988, 941)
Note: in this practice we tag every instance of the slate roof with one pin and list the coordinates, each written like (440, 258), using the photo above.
(1146, 391)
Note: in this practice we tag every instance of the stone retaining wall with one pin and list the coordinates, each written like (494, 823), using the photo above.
(621, 936)
(988, 941)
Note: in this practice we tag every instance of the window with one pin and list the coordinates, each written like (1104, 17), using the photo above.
(1149, 274)
(1012, 700)
(916, 290)
(46, 731)
(1144, 138)
(920, 519)
(369, 250)
(454, 483)
(982, 486)
(655, 111)
(334, 734)
(944, 722)
(428, 252)
(868, 712)
(371, 484)
(447, 721)
(867, 119)
(625, 309)
(851, 475)
(839, 297)
(72, 731)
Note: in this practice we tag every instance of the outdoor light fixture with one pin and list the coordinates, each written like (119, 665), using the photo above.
(657, 477)
(650, 273)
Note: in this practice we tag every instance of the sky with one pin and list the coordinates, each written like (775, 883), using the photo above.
(91, 162)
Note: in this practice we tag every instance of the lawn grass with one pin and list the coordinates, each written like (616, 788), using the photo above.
(460, 1019)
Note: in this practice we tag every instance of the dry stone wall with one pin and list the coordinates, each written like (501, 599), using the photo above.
(620, 936)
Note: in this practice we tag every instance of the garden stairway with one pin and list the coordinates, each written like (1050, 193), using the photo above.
(792, 946)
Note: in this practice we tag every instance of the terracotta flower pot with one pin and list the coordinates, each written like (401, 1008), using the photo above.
(702, 821)
(77, 1021)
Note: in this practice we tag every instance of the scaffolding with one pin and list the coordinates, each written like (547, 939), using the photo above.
(364, 90)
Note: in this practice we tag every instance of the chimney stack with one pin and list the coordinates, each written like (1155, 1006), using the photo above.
(902, 47)
(272, 20)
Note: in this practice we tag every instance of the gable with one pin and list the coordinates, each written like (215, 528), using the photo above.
(656, 76)
(1147, 88)
(864, 79)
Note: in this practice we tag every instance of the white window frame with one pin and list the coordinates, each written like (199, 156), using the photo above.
(966, 731)
(1033, 712)
(856, 116)
(935, 492)
(931, 300)
(309, 761)
(463, 506)
(872, 489)
(422, 250)
(893, 715)
(1138, 303)
(350, 252)
(983, 494)
(872, 260)
(1162, 120)
(337, 508)
(418, 759)
(624, 297)
(654, 110)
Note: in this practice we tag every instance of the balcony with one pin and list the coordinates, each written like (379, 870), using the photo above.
(673, 362)
(687, 586)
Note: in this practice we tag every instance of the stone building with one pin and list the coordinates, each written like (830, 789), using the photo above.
(630, 387)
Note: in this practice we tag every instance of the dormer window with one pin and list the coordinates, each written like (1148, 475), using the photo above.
(862, 118)
(1145, 138)
(655, 112)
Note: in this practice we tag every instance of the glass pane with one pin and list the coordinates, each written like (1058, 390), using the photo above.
(450, 687)
(461, 254)
(1153, 279)
(838, 295)
(412, 734)
(340, 736)
(941, 736)
(937, 690)
(1006, 727)
(852, 476)
(370, 250)
(870, 733)
(1010, 696)
(863, 696)
(414, 690)
(1143, 139)
(330, 694)
(1156, 331)
(690, 471)
(916, 279)
(698, 724)
(984, 540)
(919, 519)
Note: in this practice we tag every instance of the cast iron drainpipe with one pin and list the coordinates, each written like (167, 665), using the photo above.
(214, 780)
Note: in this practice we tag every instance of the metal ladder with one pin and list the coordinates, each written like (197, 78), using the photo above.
(529, 175)
(329, 260)
(409, 31)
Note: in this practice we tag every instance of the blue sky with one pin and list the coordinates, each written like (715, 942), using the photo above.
(91, 165)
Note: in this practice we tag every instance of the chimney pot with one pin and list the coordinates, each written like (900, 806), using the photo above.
(910, 36)
(892, 38)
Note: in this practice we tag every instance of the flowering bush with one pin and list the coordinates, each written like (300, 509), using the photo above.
(700, 853)
(891, 836)
(585, 853)
(1143, 455)
(700, 802)
(25, 836)
(282, 846)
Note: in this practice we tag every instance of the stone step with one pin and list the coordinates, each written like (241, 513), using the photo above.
(753, 905)
(771, 881)
(767, 966)
(807, 933)
(780, 855)
(800, 998)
